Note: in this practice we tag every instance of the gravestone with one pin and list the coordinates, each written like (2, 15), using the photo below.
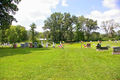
(88, 45)
(53, 45)
(26, 44)
(116, 50)
(35, 44)
(46, 45)
(23, 45)
(98, 47)
(30, 45)
(14, 45)
(8, 44)
(42, 43)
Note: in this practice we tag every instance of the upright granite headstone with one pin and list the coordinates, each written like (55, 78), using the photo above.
(26, 44)
(30, 45)
(35, 44)
(116, 50)
(22, 45)
(88, 45)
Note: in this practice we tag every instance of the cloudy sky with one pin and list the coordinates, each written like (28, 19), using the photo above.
(38, 10)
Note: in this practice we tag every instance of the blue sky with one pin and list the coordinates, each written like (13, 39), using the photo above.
(38, 10)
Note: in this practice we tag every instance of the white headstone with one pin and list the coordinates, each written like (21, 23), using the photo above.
(46, 44)
(53, 45)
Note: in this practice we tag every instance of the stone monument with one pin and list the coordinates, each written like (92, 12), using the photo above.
(116, 50)
(22, 45)
(35, 44)
(30, 45)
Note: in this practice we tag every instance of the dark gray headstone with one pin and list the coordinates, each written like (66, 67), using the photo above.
(22, 45)
(116, 50)
(26, 44)
(35, 44)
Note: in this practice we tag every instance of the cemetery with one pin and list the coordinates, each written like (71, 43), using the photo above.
(60, 63)
(38, 43)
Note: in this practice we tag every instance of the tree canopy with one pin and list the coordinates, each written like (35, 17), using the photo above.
(7, 9)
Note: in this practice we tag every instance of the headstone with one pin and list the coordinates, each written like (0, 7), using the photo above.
(98, 46)
(15, 46)
(26, 44)
(42, 43)
(116, 50)
(23, 45)
(53, 45)
(88, 45)
(35, 44)
(30, 45)
(90, 41)
(8, 44)
(46, 45)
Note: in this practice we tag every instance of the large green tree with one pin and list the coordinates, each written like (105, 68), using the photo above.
(7, 7)
(33, 26)
(79, 28)
(90, 25)
(16, 34)
(54, 24)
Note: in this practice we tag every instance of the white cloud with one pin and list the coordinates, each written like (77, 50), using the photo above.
(113, 13)
(110, 3)
(34, 10)
(64, 3)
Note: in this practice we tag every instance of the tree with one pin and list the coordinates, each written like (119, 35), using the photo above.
(90, 25)
(95, 36)
(80, 28)
(33, 26)
(16, 34)
(6, 8)
(54, 24)
(67, 28)
(11, 34)
(109, 27)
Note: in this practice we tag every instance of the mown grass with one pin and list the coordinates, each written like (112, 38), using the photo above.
(70, 63)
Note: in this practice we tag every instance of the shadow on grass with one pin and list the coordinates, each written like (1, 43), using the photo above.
(7, 51)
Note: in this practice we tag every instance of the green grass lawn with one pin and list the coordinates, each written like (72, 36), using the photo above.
(70, 63)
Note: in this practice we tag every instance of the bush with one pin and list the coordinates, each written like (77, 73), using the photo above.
(49, 44)
(39, 46)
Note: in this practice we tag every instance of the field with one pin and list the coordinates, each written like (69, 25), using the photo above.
(70, 63)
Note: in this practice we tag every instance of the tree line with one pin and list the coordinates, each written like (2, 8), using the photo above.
(63, 27)
(67, 27)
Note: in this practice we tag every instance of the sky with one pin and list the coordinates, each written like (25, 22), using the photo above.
(39, 10)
